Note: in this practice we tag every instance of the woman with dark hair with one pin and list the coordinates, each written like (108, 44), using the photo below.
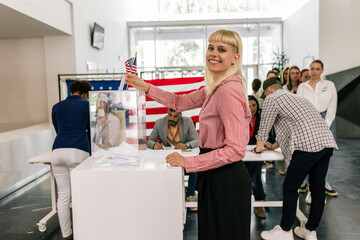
(254, 168)
(257, 91)
(304, 75)
(270, 74)
(294, 79)
(70, 118)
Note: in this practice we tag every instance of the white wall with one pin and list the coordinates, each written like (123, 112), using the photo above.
(59, 58)
(23, 98)
(301, 34)
(339, 40)
(55, 13)
(110, 15)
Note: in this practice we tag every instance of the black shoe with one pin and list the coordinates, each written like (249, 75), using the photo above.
(303, 188)
(329, 191)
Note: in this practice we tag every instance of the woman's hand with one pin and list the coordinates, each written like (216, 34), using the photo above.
(175, 159)
(137, 82)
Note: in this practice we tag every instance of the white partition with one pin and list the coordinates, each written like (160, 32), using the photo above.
(16, 148)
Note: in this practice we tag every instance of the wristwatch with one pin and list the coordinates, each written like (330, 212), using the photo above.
(188, 145)
(256, 151)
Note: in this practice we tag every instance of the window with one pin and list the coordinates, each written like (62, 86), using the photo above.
(182, 48)
(179, 46)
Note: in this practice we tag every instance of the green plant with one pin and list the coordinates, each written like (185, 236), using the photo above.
(280, 60)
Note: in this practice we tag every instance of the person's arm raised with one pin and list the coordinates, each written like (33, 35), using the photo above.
(137, 82)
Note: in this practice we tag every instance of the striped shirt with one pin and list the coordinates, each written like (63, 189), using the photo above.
(298, 125)
(224, 122)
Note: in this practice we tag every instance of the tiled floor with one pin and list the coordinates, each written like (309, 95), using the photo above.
(341, 219)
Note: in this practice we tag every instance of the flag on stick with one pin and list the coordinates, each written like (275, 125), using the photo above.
(130, 65)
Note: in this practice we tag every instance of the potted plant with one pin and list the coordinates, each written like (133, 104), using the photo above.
(280, 60)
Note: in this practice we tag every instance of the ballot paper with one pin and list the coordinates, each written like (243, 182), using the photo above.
(123, 155)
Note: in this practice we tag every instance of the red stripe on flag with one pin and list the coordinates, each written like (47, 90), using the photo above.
(195, 118)
(150, 125)
(159, 110)
(175, 81)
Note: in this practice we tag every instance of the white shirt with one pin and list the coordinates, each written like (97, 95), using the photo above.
(286, 88)
(257, 95)
(324, 98)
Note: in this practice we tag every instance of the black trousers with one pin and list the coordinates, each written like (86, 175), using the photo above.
(224, 202)
(302, 163)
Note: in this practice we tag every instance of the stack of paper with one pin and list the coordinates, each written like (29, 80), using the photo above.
(124, 154)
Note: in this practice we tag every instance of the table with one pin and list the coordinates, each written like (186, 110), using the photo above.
(45, 158)
(128, 202)
(249, 156)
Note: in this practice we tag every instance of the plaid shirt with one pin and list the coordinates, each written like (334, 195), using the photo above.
(298, 125)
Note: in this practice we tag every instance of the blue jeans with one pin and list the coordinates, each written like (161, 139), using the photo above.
(191, 184)
(254, 169)
(332, 127)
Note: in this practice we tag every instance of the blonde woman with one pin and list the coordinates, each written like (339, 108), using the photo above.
(285, 76)
(224, 203)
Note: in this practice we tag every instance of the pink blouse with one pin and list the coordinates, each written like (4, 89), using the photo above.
(224, 122)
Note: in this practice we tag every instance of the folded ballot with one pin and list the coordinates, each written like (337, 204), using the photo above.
(124, 154)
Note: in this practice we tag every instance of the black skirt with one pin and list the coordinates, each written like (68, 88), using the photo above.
(224, 202)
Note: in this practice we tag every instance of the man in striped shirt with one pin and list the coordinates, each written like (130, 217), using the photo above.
(304, 135)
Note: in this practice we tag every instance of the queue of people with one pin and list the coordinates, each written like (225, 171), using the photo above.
(297, 110)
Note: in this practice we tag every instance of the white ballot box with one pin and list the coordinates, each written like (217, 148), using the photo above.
(131, 202)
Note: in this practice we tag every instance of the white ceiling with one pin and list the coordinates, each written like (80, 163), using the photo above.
(14, 24)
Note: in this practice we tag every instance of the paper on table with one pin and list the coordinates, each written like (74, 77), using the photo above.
(124, 149)
(124, 154)
(251, 147)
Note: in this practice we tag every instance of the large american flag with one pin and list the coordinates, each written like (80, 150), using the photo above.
(178, 86)
(130, 65)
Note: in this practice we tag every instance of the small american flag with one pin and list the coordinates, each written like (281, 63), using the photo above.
(130, 65)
